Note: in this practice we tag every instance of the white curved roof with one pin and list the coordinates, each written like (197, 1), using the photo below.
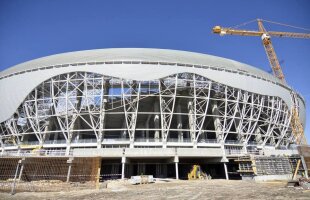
(18, 81)
(136, 54)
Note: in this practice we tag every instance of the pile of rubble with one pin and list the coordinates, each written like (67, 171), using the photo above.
(304, 183)
(301, 183)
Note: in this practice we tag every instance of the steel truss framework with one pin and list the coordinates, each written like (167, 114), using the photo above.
(182, 107)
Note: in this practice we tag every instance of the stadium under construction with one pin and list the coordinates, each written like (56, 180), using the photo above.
(114, 113)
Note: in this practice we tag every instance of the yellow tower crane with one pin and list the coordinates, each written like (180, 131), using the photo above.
(296, 125)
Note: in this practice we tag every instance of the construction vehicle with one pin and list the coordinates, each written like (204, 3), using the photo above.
(196, 173)
(296, 125)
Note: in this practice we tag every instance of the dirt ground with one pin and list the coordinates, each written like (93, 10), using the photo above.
(176, 189)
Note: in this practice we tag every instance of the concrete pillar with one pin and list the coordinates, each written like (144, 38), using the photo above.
(68, 148)
(164, 144)
(156, 122)
(2, 146)
(258, 136)
(218, 130)
(104, 97)
(244, 146)
(191, 121)
(123, 167)
(179, 121)
(46, 134)
(226, 172)
(98, 173)
(55, 136)
(69, 168)
(131, 145)
(217, 123)
(176, 161)
(147, 126)
(99, 144)
(18, 148)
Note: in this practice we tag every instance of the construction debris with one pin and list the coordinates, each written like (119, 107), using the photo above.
(301, 183)
(304, 183)
(143, 179)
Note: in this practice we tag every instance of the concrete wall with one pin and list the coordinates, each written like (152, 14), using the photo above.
(149, 152)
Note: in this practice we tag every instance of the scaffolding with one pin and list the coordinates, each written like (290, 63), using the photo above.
(254, 165)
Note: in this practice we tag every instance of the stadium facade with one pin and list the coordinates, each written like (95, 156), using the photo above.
(146, 109)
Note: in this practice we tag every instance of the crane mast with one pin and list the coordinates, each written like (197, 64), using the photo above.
(296, 125)
(271, 54)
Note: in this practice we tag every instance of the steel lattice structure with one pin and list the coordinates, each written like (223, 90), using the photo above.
(96, 109)
(185, 107)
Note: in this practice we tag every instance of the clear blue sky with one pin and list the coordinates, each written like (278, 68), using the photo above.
(35, 28)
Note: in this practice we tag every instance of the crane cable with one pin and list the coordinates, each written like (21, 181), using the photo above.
(272, 22)
(243, 24)
(282, 24)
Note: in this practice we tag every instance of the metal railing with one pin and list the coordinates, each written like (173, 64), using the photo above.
(40, 152)
(234, 151)
(115, 140)
(232, 142)
(91, 140)
(208, 141)
(252, 143)
(147, 140)
(184, 140)
(253, 151)
(9, 145)
(30, 143)
(55, 142)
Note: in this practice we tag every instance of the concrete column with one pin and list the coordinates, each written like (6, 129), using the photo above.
(176, 161)
(68, 148)
(123, 167)
(99, 144)
(218, 130)
(105, 87)
(226, 172)
(18, 149)
(244, 146)
(2, 146)
(217, 123)
(147, 126)
(156, 122)
(55, 136)
(179, 121)
(191, 121)
(164, 144)
(45, 135)
(98, 173)
(131, 145)
(69, 168)
(258, 136)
